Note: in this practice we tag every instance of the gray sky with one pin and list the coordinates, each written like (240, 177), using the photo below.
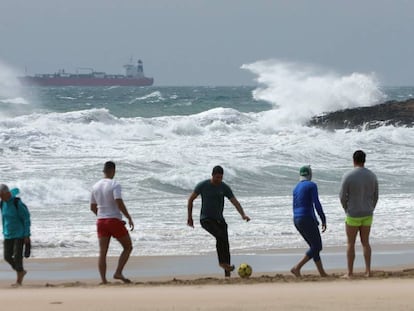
(195, 42)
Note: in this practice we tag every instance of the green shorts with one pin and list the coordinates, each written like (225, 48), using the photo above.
(358, 221)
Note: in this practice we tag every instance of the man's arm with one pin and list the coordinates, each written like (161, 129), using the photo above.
(239, 208)
(123, 209)
(192, 197)
(375, 192)
(343, 194)
(318, 206)
(24, 214)
(94, 208)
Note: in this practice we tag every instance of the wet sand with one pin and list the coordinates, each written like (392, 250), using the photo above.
(196, 283)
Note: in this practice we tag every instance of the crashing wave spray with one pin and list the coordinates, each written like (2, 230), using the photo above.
(9, 85)
(299, 91)
(13, 100)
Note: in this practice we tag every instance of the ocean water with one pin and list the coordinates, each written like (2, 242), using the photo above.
(164, 140)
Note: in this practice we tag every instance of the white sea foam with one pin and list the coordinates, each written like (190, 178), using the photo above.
(55, 157)
(14, 101)
(153, 97)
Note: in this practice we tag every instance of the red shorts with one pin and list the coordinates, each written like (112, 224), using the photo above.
(108, 227)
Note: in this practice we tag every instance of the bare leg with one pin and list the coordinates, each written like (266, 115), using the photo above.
(123, 258)
(321, 270)
(351, 233)
(364, 235)
(103, 250)
(20, 276)
(296, 269)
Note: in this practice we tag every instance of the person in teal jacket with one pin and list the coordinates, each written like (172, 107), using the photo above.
(16, 230)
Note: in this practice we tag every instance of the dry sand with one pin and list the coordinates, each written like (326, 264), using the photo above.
(378, 293)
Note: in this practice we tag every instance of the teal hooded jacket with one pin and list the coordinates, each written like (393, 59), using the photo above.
(15, 219)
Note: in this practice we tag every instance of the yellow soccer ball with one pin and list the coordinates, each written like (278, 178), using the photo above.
(245, 270)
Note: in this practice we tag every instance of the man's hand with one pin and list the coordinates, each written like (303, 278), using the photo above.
(131, 224)
(246, 218)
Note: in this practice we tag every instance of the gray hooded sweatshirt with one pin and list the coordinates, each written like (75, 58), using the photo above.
(359, 192)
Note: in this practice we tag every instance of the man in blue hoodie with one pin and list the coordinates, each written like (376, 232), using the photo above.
(305, 202)
(16, 230)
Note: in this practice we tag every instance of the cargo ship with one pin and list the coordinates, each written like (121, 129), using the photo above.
(134, 76)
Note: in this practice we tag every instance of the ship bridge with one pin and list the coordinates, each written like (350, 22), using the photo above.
(134, 70)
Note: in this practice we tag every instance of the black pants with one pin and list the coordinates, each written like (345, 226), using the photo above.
(218, 229)
(308, 228)
(13, 253)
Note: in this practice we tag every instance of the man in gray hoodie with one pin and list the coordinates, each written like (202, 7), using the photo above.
(359, 196)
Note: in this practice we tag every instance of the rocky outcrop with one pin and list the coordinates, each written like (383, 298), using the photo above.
(390, 113)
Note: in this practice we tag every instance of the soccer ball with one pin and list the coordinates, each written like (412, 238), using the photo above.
(245, 270)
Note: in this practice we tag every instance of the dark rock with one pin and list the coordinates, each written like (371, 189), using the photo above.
(390, 113)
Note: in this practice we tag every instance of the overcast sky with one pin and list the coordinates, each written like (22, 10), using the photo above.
(195, 42)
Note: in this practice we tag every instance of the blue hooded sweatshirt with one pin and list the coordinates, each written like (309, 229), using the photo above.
(15, 219)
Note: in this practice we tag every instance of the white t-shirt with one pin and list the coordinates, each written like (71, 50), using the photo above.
(104, 193)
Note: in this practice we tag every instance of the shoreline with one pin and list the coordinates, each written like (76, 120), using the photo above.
(193, 283)
(143, 269)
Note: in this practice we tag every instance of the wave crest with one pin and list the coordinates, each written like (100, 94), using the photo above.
(301, 91)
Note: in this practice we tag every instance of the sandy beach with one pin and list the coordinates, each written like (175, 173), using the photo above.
(195, 283)
(378, 294)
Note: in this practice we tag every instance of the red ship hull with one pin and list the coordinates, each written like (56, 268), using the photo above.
(85, 81)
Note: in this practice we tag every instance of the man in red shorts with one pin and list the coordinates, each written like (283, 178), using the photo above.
(107, 204)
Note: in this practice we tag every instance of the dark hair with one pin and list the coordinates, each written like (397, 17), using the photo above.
(217, 170)
(359, 156)
(108, 166)
(4, 188)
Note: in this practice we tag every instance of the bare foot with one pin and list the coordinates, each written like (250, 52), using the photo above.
(20, 276)
(324, 275)
(227, 269)
(295, 272)
(122, 278)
